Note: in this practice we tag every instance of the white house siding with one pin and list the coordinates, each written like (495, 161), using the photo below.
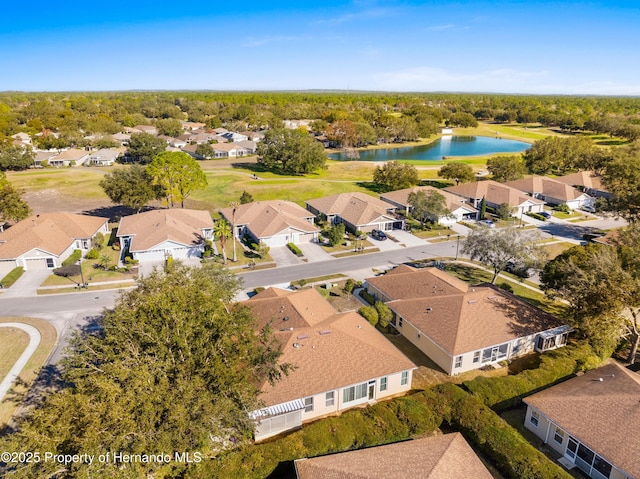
(166, 249)
(6, 266)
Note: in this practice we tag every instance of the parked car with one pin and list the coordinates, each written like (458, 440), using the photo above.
(545, 214)
(488, 223)
(520, 270)
(378, 235)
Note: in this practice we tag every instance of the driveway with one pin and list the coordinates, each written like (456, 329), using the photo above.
(28, 284)
(283, 256)
(407, 238)
(314, 252)
(385, 245)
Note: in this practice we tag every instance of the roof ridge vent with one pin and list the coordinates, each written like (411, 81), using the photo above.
(472, 301)
(325, 331)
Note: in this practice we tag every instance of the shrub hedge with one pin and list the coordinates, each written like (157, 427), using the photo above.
(11, 277)
(370, 314)
(504, 392)
(73, 258)
(367, 297)
(511, 453)
(294, 249)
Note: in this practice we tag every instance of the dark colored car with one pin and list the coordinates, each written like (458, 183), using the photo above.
(519, 270)
(378, 235)
(545, 214)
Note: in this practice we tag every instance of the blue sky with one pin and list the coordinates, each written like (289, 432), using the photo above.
(471, 46)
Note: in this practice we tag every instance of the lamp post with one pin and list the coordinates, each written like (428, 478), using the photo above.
(457, 247)
(82, 283)
(233, 205)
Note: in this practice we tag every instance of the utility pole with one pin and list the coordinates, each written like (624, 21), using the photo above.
(233, 205)
(457, 247)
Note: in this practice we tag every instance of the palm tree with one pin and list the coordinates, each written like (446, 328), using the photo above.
(234, 205)
(222, 231)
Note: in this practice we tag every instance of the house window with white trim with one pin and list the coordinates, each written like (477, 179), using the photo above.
(458, 363)
(476, 357)
(399, 322)
(50, 263)
(354, 393)
(558, 436)
(383, 384)
(535, 418)
(329, 399)
(308, 404)
(404, 378)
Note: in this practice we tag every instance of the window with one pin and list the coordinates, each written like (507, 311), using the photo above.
(458, 363)
(495, 353)
(308, 404)
(400, 322)
(354, 393)
(534, 419)
(404, 379)
(329, 399)
(50, 263)
(585, 454)
(418, 335)
(602, 466)
(476, 357)
(383, 384)
(558, 436)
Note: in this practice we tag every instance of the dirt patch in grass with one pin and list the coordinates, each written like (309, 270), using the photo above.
(48, 338)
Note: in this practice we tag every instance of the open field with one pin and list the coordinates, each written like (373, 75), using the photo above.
(29, 373)
(77, 189)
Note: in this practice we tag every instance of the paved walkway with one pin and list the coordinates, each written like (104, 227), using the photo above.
(34, 341)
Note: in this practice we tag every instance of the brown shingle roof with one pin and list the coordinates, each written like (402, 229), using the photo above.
(602, 414)
(457, 317)
(587, 179)
(153, 227)
(493, 192)
(355, 208)
(51, 232)
(438, 457)
(268, 218)
(334, 349)
(402, 197)
(547, 186)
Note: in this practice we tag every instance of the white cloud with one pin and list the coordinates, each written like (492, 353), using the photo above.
(440, 28)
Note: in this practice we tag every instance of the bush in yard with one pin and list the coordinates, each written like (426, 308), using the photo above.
(555, 366)
(67, 271)
(12, 277)
(93, 253)
(348, 286)
(294, 249)
(335, 234)
(97, 241)
(370, 314)
(564, 208)
(364, 294)
(104, 261)
(75, 256)
(385, 315)
(506, 287)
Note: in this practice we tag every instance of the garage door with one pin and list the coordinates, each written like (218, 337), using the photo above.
(280, 240)
(305, 238)
(39, 263)
(155, 255)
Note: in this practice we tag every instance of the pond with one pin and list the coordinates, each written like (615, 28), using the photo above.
(445, 146)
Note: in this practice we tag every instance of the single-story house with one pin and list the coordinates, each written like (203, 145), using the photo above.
(274, 222)
(459, 209)
(70, 157)
(43, 156)
(496, 194)
(152, 130)
(255, 136)
(592, 420)
(437, 457)
(249, 146)
(200, 138)
(158, 234)
(103, 157)
(462, 327)
(232, 150)
(44, 241)
(22, 137)
(233, 137)
(122, 138)
(358, 212)
(340, 360)
(192, 125)
(587, 181)
(552, 191)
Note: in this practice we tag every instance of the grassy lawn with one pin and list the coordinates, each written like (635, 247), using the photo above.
(12, 343)
(48, 337)
(435, 233)
(566, 216)
(339, 248)
(92, 272)
(510, 131)
(74, 289)
(553, 250)
(76, 182)
(242, 257)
